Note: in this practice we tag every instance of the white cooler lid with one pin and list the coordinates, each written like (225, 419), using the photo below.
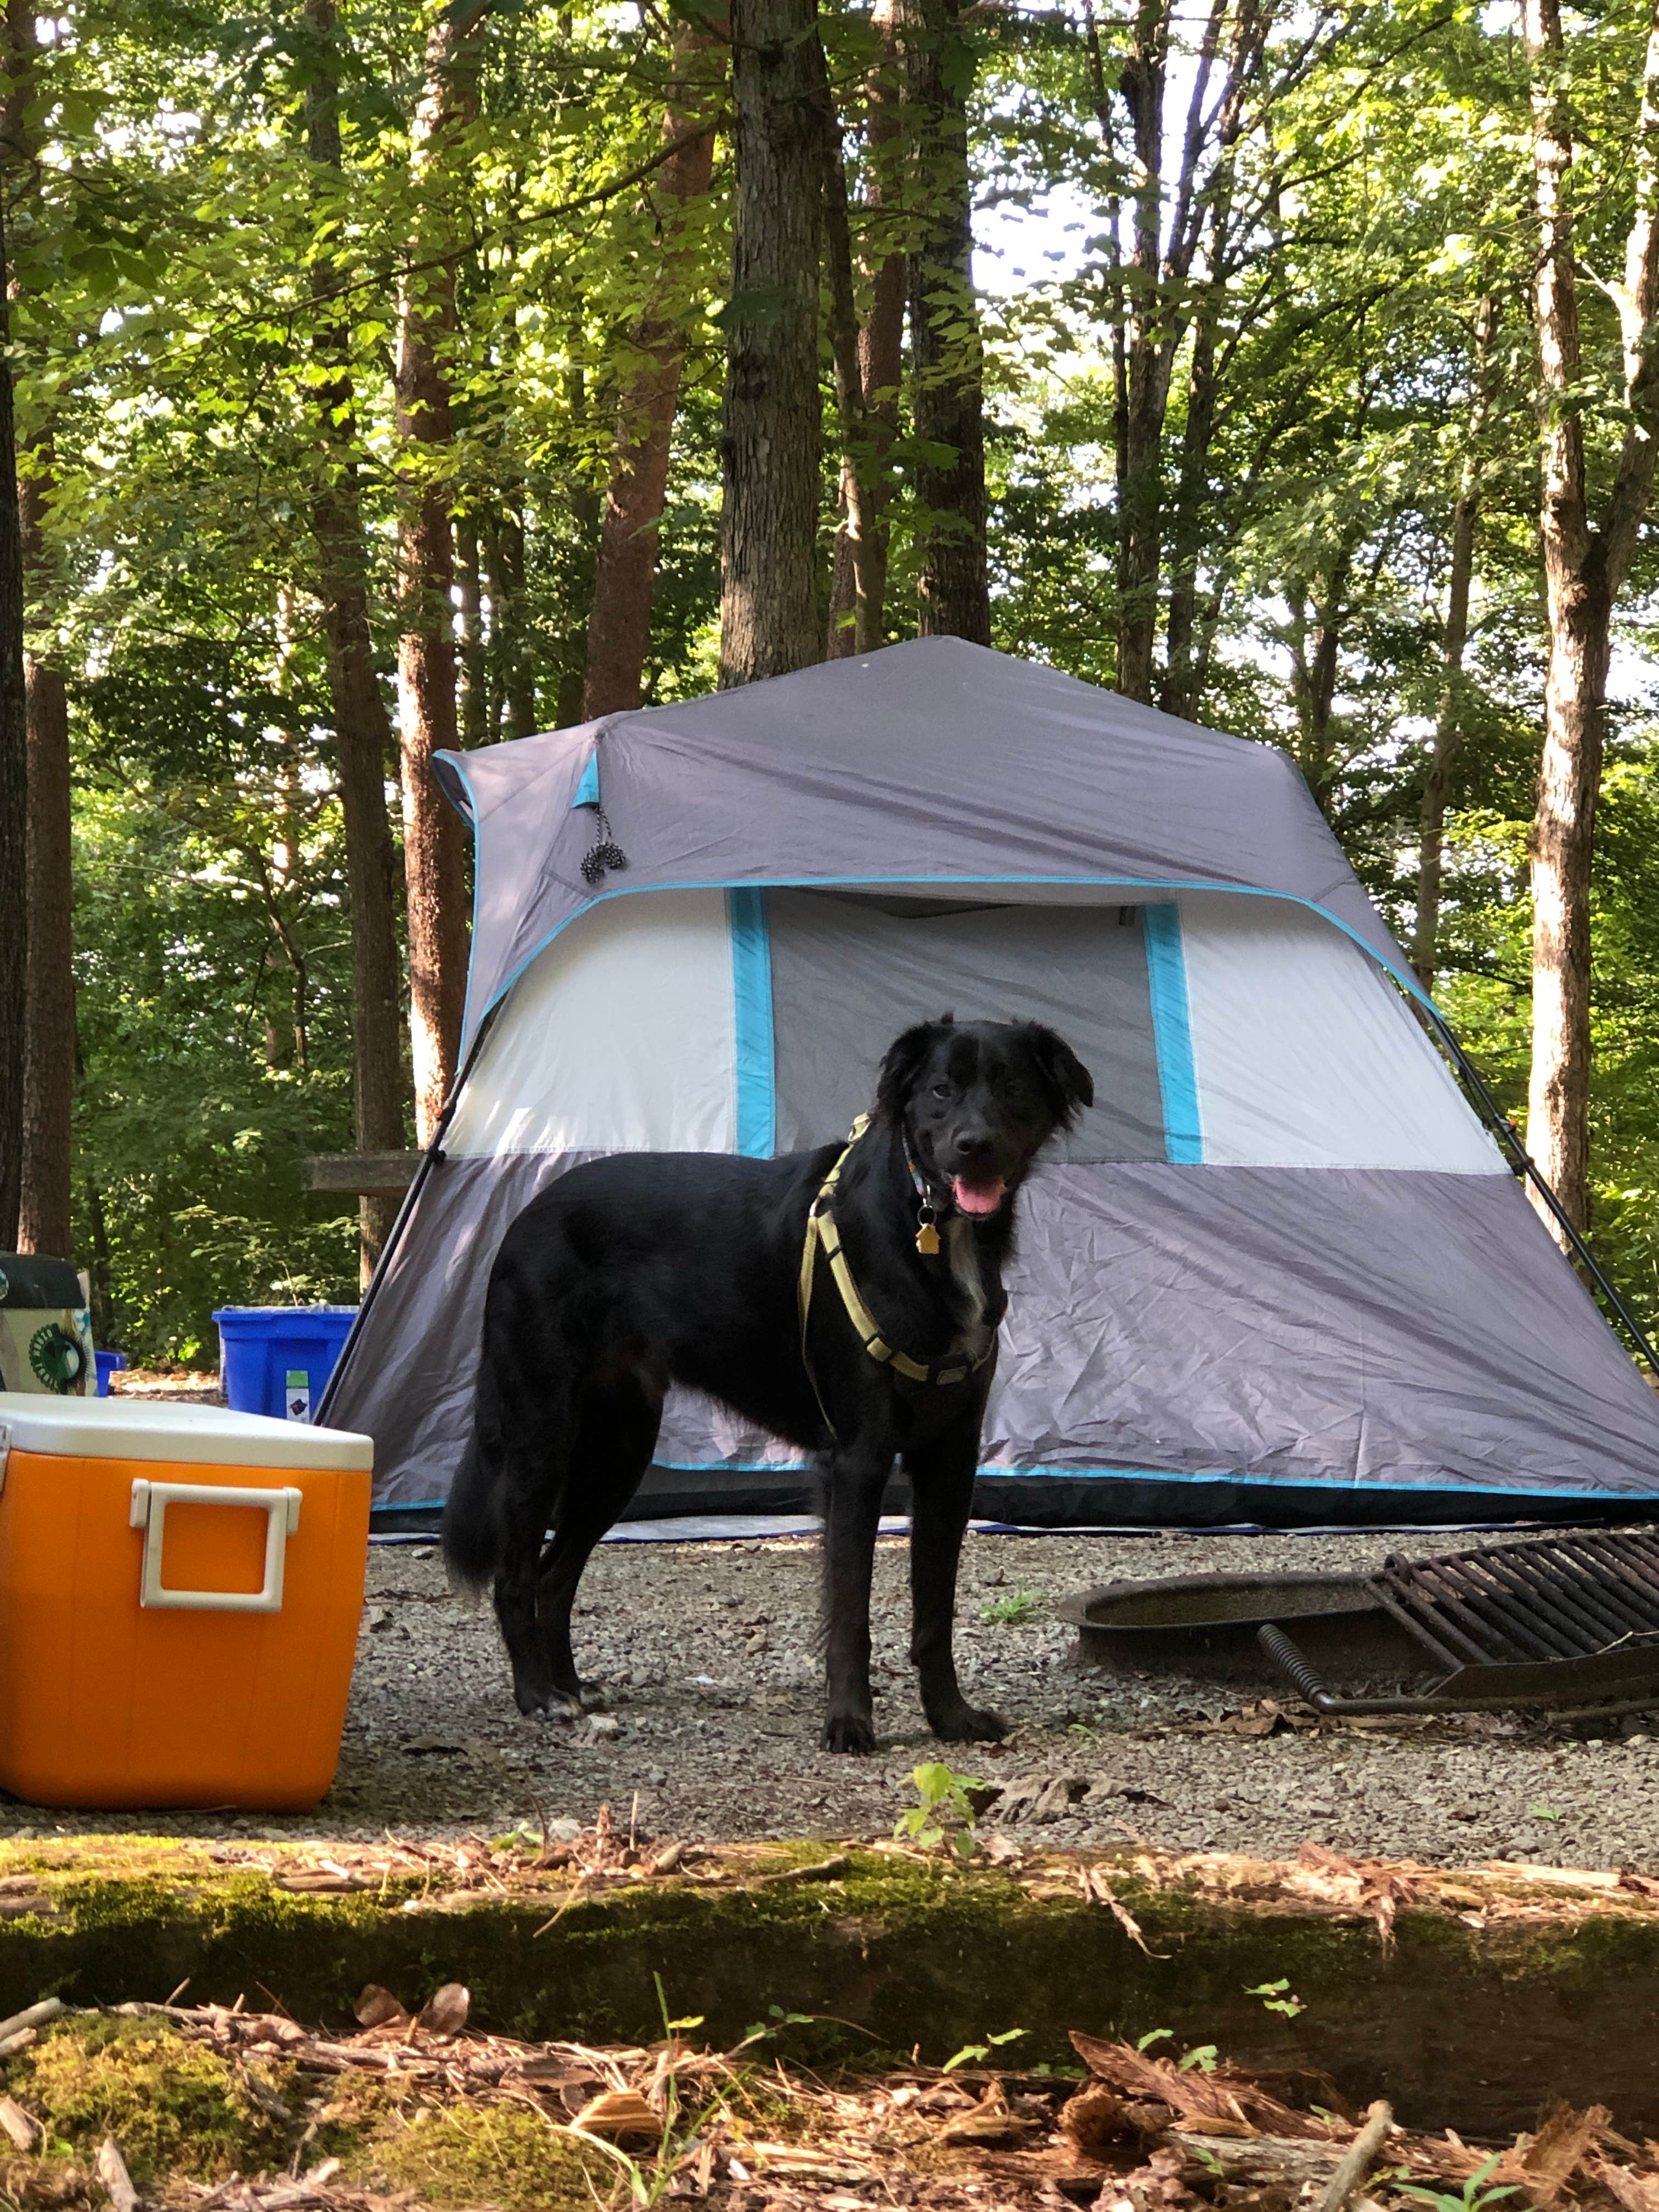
(193, 1436)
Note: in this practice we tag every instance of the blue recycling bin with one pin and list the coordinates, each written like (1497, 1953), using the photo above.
(109, 1363)
(276, 1359)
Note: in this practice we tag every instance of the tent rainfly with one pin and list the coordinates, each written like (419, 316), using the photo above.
(1280, 1275)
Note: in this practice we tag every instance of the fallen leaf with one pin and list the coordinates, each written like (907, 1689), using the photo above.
(377, 2007)
(112, 2170)
(445, 2011)
(619, 2115)
(25, 2130)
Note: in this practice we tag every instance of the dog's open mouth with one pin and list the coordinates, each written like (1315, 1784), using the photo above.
(980, 1198)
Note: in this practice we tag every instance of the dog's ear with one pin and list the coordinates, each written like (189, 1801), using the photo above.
(902, 1064)
(1067, 1081)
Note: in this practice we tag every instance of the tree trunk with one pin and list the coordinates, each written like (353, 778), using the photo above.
(509, 628)
(848, 368)
(858, 589)
(1448, 718)
(947, 358)
(1314, 649)
(43, 1221)
(1585, 567)
(585, 508)
(769, 536)
(1142, 83)
(1562, 846)
(475, 690)
(44, 1207)
(434, 861)
(1181, 690)
(362, 729)
(1157, 300)
(1116, 292)
(619, 627)
(17, 927)
(1186, 650)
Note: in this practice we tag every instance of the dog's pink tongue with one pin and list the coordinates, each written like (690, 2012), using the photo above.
(977, 1198)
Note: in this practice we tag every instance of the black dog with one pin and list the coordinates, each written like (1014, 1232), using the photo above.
(631, 1272)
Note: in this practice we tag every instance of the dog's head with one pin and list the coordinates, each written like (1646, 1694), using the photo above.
(980, 1101)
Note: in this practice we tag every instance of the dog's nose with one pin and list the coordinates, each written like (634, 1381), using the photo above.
(970, 1145)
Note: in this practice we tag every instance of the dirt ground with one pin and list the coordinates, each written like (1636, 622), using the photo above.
(705, 1652)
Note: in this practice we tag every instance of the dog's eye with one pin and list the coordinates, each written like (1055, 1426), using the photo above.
(941, 1090)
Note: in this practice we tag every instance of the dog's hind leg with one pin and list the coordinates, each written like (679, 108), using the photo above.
(535, 1457)
(615, 1436)
(942, 1485)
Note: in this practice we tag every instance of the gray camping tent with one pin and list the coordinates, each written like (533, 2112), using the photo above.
(1281, 1273)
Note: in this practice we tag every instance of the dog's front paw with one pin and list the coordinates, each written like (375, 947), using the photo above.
(849, 1732)
(966, 1723)
(592, 1696)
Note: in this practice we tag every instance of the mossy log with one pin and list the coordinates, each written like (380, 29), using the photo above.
(1496, 1994)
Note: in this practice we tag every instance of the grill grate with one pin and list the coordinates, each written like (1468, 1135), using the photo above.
(1567, 1597)
(1536, 1623)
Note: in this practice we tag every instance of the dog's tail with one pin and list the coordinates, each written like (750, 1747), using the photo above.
(472, 1523)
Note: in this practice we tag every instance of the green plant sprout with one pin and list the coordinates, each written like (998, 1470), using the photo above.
(671, 2028)
(1018, 1606)
(1473, 2198)
(944, 1813)
(1155, 2035)
(1544, 1813)
(977, 2051)
(1203, 2056)
(778, 2018)
(1275, 1997)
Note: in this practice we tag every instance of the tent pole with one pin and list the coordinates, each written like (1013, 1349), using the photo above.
(432, 1156)
(1527, 1169)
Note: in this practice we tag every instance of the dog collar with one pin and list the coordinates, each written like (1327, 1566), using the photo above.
(928, 1213)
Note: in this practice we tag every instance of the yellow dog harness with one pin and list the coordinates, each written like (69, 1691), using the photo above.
(953, 1367)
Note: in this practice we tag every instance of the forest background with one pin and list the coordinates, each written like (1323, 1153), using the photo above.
(389, 377)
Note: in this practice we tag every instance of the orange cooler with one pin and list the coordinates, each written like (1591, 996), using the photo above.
(179, 1595)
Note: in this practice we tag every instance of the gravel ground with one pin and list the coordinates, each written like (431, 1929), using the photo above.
(707, 1654)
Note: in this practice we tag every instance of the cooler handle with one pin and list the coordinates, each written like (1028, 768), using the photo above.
(150, 1501)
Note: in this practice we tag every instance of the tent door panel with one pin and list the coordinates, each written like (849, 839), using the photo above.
(849, 976)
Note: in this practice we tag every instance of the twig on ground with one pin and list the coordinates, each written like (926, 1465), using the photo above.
(32, 2016)
(1357, 2160)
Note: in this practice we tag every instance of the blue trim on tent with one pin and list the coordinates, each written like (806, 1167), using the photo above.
(588, 791)
(1172, 1035)
(1635, 1500)
(751, 1000)
(1406, 981)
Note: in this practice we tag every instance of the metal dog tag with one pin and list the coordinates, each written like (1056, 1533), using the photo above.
(927, 1236)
